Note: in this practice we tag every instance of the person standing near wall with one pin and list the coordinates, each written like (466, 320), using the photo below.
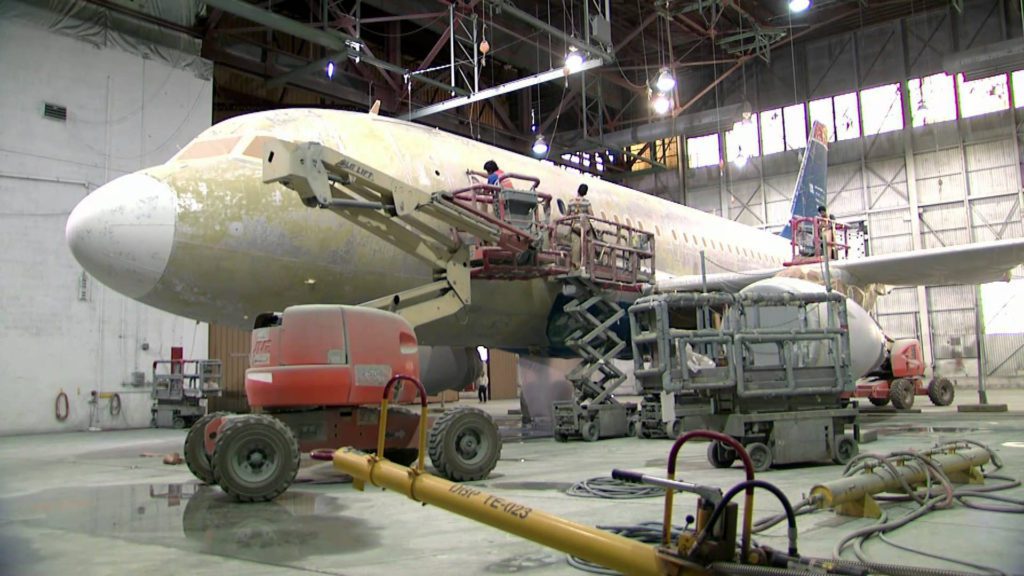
(481, 386)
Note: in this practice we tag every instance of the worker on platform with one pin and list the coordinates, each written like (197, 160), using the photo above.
(580, 204)
(495, 175)
(826, 233)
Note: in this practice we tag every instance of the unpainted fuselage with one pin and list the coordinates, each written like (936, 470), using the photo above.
(238, 247)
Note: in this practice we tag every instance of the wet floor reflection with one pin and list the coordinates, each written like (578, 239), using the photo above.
(200, 519)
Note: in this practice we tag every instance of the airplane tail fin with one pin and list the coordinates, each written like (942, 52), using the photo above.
(810, 184)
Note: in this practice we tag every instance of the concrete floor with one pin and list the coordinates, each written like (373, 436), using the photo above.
(89, 503)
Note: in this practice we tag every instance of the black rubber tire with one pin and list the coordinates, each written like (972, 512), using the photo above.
(195, 448)
(632, 428)
(940, 391)
(464, 444)
(844, 449)
(879, 401)
(589, 431)
(560, 437)
(263, 445)
(901, 393)
(674, 429)
(178, 423)
(760, 455)
(721, 456)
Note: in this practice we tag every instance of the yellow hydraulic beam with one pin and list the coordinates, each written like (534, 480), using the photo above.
(852, 495)
(604, 548)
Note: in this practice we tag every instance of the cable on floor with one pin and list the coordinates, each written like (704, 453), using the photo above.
(610, 488)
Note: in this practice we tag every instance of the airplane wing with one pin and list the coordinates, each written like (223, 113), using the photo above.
(965, 264)
(722, 281)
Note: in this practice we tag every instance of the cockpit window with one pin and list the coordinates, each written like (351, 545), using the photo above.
(208, 148)
(255, 148)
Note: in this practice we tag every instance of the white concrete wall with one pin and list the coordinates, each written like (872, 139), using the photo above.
(124, 113)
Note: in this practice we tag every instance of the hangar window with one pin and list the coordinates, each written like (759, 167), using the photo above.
(208, 148)
(931, 99)
(1017, 79)
(847, 116)
(983, 95)
(796, 126)
(772, 135)
(883, 109)
(742, 141)
(822, 111)
(702, 151)
(674, 237)
(657, 230)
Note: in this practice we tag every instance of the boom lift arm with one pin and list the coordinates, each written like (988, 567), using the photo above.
(408, 217)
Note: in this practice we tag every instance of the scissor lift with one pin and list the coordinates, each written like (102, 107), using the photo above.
(774, 373)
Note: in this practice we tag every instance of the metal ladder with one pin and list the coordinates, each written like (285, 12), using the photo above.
(594, 412)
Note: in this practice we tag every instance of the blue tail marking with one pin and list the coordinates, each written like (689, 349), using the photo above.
(811, 183)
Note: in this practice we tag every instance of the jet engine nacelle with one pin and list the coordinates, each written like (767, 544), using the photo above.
(867, 342)
(445, 368)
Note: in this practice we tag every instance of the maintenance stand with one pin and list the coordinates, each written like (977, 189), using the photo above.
(770, 370)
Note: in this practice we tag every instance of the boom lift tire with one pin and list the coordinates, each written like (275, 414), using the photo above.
(256, 458)
(760, 455)
(844, 449)
(720, 456)
(589, 431)
(901, 392)
(940, 391)
(464, 444)
(196, 459)
(879, 401)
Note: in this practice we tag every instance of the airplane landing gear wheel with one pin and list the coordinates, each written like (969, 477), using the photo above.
(464, 444)
(940, 391)
(844, 449)
(196, 459)
(901, 392)
(256, 458)
(760, 455)
(721, 456)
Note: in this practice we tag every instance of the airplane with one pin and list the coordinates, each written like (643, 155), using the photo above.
(203, 236)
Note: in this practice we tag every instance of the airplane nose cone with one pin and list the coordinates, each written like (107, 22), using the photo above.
(123, 233)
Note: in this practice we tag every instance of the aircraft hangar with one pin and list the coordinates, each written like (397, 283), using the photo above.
(628, 253)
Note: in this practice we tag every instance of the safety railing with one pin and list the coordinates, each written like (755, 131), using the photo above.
(605, 251)
(756, 360)
(815, 239)
(177, 378)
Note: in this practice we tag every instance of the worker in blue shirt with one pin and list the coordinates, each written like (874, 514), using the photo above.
(495, 175)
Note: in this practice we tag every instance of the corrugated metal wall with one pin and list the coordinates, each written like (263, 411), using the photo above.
(964, 175)
(231, 347)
